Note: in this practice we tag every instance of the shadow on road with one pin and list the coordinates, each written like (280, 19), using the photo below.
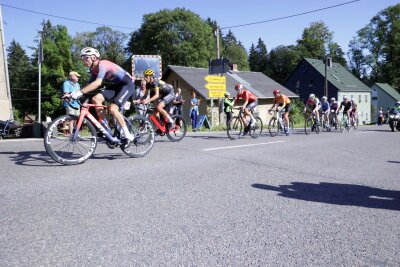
(338, 194)
(392, 161)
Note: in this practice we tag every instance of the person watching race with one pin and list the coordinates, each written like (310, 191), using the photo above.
(250, 102)
(334, 106)
(312, 106)
(119, 88)
(346, 104)
(163, 92)
(282, 101)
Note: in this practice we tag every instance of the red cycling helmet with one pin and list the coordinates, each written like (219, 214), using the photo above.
(276, 91)
(238, 86)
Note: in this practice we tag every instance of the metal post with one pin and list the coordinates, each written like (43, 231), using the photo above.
(327, 58)
(40, 59)
(217, 38)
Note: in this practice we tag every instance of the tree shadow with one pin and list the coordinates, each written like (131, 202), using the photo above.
(338, 194)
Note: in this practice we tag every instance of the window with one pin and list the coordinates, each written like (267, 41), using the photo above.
(310, 83)
(359, 98)
(366, 98)
(351, 97)
(297, 84)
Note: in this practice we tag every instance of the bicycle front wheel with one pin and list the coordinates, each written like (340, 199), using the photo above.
(66, 147)
(143, 131)
(256, 130)
(273, 127)
(308, 124)
(234, 128)
(179, 129)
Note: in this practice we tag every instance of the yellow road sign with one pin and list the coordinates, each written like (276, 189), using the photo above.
(216, 93)
(216, 86)
(215, 79)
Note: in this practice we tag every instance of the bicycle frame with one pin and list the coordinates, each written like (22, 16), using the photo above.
(157, 123)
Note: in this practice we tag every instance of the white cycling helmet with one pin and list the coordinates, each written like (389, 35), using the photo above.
(89, 51)
(345, 97)
(333, 99)
(324, 98)
(311, 96)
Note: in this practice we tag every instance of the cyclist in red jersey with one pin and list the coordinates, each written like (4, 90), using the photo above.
(119, 88)
(250, 102)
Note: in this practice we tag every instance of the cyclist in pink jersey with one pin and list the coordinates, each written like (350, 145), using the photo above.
(118, 82)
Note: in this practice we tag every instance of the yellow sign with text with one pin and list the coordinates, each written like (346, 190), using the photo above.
(215, 79)
(217, 94)
(216, 86)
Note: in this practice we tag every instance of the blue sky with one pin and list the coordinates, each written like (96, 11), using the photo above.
(344, 21)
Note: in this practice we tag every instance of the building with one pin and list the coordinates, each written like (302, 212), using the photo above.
(193, 79)
(383, 95)
(309, 77)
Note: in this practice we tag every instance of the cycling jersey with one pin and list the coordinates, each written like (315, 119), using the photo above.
(334, 105)
(109, 72)
(347, 106)
(246, 95)
(312, 104)
(354, 106)
(163, 87)
(281, 99)
(325, 106)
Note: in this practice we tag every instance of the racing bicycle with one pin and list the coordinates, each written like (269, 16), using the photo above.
(69, 148)
(237, 128)
(311, 124)
(276, 123)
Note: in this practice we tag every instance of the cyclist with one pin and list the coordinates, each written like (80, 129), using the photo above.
(312, 106)
(282, 101)
(325, 109)
(346, 104)
(250, 102)
(353, 112)
(119, 88)
(334, 109)
(163, 92)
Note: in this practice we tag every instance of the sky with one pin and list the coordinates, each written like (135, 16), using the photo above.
(344, 21)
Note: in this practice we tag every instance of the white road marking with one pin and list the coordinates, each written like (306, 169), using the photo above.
(229, 147)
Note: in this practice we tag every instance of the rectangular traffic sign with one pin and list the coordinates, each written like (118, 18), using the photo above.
(216, 86)
(216, 93)
(215, 79)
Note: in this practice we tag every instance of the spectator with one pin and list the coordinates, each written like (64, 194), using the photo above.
(69, 86)
(228, 104)
(194, 110)
(140, 94)
(178, 103)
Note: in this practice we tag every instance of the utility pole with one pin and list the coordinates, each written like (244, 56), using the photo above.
(216, 33)
(327, 61)
(6, 111)
(40, 60)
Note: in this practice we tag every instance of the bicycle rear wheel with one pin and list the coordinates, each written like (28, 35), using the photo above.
(273, 127)
(61, 147)
(143, 131)
(177, 133)
(256, 130)
(234, 128)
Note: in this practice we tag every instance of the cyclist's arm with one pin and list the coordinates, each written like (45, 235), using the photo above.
(92, 86)
(246, 101)
(154, 97)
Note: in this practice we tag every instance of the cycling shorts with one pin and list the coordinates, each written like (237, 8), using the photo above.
(119, 93)
(288, 107)
(252, 104)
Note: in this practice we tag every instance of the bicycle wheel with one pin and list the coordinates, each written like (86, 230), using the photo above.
(143, 131)
(355, 125)
(308, 124)
(234, 128)
(177, 133)
(317, 128)
(61, 147)
(273, 127)
(256, 130)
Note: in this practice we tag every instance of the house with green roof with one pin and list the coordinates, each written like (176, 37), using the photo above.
(309, 78)
(383, 96)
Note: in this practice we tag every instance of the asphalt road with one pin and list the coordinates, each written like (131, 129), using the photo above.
(331, 199)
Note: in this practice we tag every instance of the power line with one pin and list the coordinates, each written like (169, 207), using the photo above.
(77, 20)
(290, 16)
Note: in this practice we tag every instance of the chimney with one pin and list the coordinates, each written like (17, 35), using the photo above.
(234, 67)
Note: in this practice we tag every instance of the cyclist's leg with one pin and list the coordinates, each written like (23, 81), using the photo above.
(98, 100)
(121, 96)
(247, 111)
(288, 108)
(164, 103)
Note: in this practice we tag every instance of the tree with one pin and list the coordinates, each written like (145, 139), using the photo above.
(375, 51)
(23, 96)
(180, 36)
(258, 57)
(235, 51)
(282, 60)
(314, 41)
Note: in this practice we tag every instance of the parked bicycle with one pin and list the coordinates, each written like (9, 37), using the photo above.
(311, 124)
(237, 126)
(10, 128)
(276, 123)
(174, 134)
(78, 146)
